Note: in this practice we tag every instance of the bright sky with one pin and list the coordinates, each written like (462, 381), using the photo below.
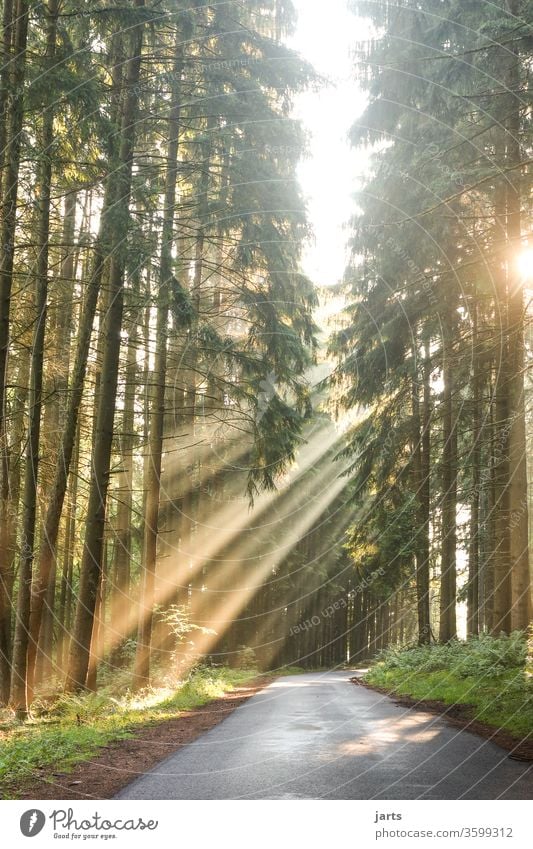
(326, 35)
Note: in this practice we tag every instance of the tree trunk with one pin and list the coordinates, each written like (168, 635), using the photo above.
(91, 564)
(65, 597)
(518, 502)
(50, 529)
(448, 587)
(44, 659)
(502, 568)
(157, 412)
(53, 418)
(12, 496)
(422, 529)
(5, 78)
(15, 108)
(120, 601)
(474, 544)
(488, 558)
(13, 76)
(21, 681)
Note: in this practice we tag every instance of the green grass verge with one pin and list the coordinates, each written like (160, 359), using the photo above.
(75, 727)
(284, 671)
(488, 674)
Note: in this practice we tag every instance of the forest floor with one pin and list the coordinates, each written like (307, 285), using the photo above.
(92, 755)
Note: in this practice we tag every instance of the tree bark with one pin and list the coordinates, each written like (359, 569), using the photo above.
(5, 78)
(51, 524)
(157, 412)
(448, 587)
(21, 682)
(422, 530)
(502, 567)
(65, 596)
(13, 76)
(120, 601)
(91, 564)
(474, 543)
(518, 501)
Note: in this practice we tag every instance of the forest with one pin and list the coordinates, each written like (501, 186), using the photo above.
(208, 459)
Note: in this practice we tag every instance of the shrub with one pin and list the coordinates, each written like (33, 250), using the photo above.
(476, 657)
(246, 658)
(86, 707)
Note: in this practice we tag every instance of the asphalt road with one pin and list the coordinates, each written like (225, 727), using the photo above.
(318, 736)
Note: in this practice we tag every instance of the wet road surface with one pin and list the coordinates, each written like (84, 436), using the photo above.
(317, 736)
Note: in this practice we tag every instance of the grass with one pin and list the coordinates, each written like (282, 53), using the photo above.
(73, 728)
(283, 671)
(488, 674)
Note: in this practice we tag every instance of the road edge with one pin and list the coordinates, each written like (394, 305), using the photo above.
(458, 715)
(122, 761)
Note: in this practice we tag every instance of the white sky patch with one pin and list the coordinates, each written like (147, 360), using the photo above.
(326, 36)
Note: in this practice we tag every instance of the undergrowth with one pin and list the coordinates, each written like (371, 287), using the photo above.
(72, 728)
(489, 674)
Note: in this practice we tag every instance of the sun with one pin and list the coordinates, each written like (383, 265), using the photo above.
(524, 263)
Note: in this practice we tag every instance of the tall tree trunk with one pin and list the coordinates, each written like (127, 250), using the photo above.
(7, 577)
(120, 601)
(59, 347)
(53, 418)
(472, 626)
(13, 76)
(157, 413)
(98, 633)
(21, 682)
(502, 568)
(91, 564)
(5, 78)
(489, 551)
(518, 501)
(448, 586)
(65, 597)
(101, 249)
(426, 475)
(422, 529)
(15, 107)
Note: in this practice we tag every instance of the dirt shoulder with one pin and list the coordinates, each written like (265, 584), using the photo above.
(119, 763)
(520, 749)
